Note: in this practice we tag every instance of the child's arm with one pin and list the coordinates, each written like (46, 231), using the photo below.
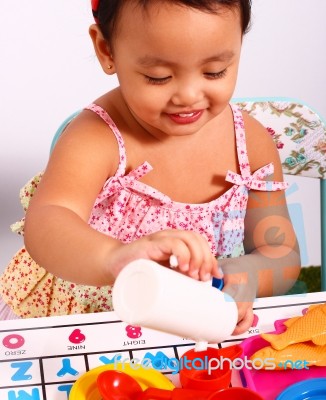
(57, 234)
(272, 261)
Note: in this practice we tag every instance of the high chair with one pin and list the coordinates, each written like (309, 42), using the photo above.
(300, 136)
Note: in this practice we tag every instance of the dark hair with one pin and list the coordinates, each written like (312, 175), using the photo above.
(108, 11)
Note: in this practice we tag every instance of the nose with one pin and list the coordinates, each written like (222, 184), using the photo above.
(187, 93)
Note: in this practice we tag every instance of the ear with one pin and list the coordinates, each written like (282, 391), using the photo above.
(102, 50)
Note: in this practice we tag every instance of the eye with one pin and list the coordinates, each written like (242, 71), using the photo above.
(216, 75)
(157, 81)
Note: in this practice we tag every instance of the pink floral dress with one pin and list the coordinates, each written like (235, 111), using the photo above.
(127, 209)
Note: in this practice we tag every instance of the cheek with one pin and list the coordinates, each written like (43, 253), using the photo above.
(145, 100)
(225, 91)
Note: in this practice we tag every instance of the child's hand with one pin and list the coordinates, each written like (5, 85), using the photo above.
(245, 319)
(244, 293)
(191, 250)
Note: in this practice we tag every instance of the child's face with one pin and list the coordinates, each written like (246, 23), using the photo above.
(177, 66)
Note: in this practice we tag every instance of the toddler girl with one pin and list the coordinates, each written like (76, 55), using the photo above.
(161, 165)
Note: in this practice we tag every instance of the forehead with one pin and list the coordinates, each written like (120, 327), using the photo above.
(166, 26)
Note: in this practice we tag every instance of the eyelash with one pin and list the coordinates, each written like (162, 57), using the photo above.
(216, 75)
(161, 81)
(157, 81)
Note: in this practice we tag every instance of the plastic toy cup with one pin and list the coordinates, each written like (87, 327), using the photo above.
(235, 393)
(195, 370)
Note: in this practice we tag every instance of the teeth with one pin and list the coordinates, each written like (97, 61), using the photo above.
(183, 115)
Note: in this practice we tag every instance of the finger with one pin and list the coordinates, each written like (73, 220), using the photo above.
(244, 322)
(241, 327)
(190, 251)
(176, 250)
(186, 248)
(194, 246)
(201, 260)
(209, 269)
(217, 270)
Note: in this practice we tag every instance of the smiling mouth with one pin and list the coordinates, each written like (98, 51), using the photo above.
(186, 117)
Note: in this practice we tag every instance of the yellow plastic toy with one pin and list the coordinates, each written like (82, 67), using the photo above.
(85, 388)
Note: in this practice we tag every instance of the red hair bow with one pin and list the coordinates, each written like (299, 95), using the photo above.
(95, 4)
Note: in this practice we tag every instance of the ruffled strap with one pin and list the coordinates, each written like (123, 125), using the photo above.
(246, 178)
(255, 181)
(109, 121)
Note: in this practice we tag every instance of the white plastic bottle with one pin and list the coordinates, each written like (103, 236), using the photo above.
(149, 295)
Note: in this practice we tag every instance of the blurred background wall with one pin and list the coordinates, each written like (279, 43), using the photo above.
(49, 70)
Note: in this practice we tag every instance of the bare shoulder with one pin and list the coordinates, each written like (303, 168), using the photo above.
(260, 146)
(88, 130)
(84, 157)
(88, 139)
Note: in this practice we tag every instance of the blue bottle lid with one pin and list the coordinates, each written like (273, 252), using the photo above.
(218, 283)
